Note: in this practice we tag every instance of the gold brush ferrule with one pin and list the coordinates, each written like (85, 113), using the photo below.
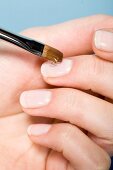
(52, 54)
(32, 46)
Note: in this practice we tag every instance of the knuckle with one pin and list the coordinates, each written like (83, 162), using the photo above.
(102, 162)
(96, 66)
(68, 132)
(64, 132)
(92, 66)
(73, 104)
(73, 99)
(70, 100)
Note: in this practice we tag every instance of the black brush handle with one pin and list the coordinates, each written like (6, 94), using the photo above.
(23, 42)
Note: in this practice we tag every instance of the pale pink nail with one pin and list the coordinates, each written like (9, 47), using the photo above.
(39, 129)
(35, 98)
(104, 40)
(60, 69)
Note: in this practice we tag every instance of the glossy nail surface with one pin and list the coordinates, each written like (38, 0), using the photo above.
(60, 69)
(104, 40)
(39, 129)
(35, 98)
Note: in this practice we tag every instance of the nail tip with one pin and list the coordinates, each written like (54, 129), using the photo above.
(103, 40)
(29, 130)
(60, 69)
(22, 100)
(43, 72)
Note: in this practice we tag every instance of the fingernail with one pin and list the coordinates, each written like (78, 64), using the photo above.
(60, 69)
(104, 40)
(39, 129)
(35, 98)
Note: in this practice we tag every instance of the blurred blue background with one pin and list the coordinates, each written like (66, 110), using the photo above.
(17, 15)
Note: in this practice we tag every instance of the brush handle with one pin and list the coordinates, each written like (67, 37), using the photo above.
(23, 42)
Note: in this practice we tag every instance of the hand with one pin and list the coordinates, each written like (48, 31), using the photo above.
(19, 71)
(74, 107)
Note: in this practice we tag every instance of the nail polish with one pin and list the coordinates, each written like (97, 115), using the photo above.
(60, 69)
(35, 98)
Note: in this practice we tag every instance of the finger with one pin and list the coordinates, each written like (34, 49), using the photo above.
(103, 43)
(72, 143)
(86, 111)
(82, 72)
(73, 37)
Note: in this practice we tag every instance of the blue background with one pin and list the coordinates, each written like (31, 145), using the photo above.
(17, 15)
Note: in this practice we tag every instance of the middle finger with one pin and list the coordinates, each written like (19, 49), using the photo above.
(86, 111)
(82, 72)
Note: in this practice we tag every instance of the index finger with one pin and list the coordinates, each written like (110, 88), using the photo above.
(73, 37)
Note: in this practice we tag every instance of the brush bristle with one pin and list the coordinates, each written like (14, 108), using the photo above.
(52, 54)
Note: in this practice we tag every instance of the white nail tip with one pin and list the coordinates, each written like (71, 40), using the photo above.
(104, 40)
(60, 69)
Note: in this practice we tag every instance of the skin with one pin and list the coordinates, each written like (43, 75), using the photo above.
(26, 76)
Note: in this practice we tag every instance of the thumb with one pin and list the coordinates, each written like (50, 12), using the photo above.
(103, 43)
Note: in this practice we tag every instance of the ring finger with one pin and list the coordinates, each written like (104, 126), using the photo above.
(84, 110)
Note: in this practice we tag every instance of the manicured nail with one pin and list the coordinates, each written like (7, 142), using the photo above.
(60, 69)
(104, 40)
(35, 98)
(39, 129)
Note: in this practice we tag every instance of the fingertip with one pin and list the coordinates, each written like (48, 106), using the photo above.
(38, 129)
(103, 43)
(29, 130)
(103, 40)
(22, 99)
(56, 70)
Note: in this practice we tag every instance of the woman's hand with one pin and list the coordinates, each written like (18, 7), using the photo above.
(19, 71)
(77, 108)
